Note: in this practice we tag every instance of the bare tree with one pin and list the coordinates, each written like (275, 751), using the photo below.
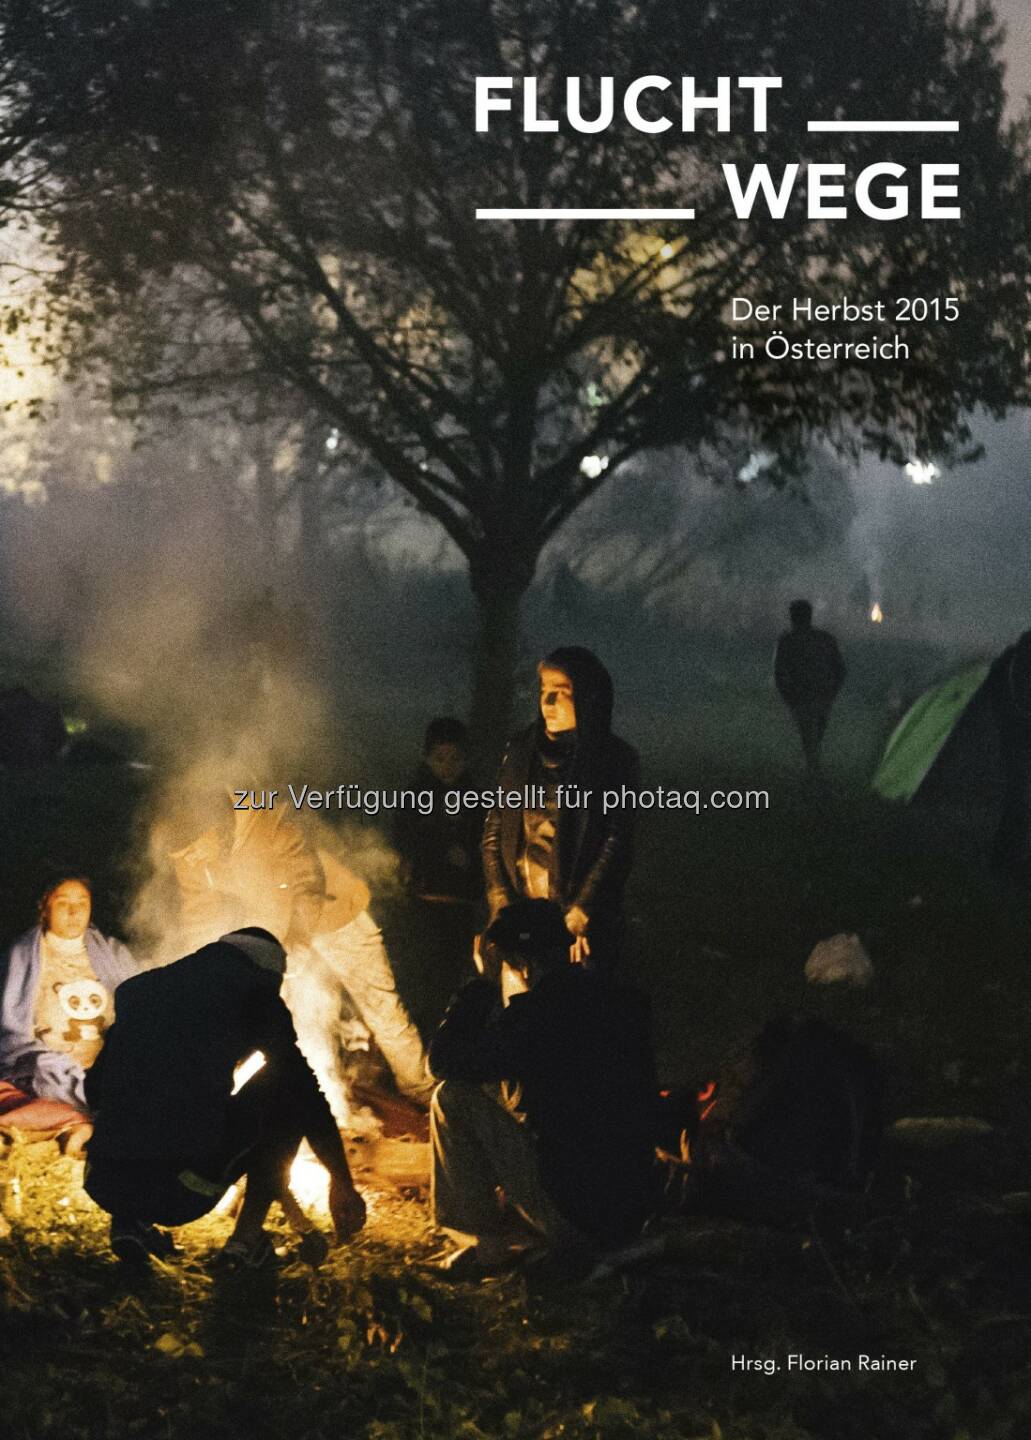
(308, 173)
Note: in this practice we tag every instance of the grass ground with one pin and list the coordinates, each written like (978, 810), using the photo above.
(724, 909)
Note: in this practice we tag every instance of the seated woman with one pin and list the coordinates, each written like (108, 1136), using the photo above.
(56, 986)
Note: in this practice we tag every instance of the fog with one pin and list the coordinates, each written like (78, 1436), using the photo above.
(151, 603)
(227, 610)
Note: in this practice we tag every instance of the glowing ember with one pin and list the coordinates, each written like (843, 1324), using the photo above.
(246, 1069)
(877, 615)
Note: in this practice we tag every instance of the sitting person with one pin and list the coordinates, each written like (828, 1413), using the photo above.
(580, 1167)
(170, 1136)
(56, 987)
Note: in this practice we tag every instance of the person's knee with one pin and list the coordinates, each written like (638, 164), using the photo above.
(453, 1099)
(440, 1102)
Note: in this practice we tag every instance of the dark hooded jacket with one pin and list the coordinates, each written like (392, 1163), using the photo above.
(579, 1048)
(808, 668)
(589, 859)
(162, 1086)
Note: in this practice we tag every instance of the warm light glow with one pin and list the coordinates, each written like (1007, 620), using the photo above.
(309, 1185)
(229, 1199)
(309, 1182)
(666, 253)
(922, 472)
(246, 1069)
(877, 615)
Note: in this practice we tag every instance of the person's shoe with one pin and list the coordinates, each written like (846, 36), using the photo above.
(470, 1264)
(134, 1243)
(240, 1255)
(313, 1249)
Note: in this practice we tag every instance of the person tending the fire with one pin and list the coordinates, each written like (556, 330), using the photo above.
(267, 871)
(575, 855)
(173, 1130)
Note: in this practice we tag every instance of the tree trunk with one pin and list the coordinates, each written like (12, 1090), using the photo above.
(311, 539)
(499, 599)
(267, 495)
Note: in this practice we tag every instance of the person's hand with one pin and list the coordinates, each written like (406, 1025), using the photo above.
(579, 951)
(346, 1207)
(577, 921)
(203, 851)
(513, 982)
(304, 919)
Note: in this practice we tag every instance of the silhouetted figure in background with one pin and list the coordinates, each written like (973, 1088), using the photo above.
(1009, 690)
(442, 875)
(440, 852)
(809, 672)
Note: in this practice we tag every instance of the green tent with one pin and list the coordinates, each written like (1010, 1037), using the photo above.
(921, 734)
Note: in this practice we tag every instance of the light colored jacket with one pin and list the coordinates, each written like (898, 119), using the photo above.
(24, 1061)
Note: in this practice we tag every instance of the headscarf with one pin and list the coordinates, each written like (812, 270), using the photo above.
(592, 698)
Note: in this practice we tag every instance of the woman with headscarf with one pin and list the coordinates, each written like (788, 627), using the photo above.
(56, 987)
(567, 852)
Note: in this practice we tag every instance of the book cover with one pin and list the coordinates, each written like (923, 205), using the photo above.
(645, 381)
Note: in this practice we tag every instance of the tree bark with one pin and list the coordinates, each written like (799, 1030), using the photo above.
(499, 595)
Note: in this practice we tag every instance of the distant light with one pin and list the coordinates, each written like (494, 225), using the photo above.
(594, 465)
(877, 615)
(922, 472)
(758, 461)
(666, 253)
(332, 440)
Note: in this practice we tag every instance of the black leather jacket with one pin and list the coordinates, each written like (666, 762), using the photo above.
(594, 851)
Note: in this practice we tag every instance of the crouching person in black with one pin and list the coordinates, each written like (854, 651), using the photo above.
(170, 1136)
(573, 1152)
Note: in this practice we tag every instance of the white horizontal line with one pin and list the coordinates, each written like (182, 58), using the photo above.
(888, 127)
(552, 214)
